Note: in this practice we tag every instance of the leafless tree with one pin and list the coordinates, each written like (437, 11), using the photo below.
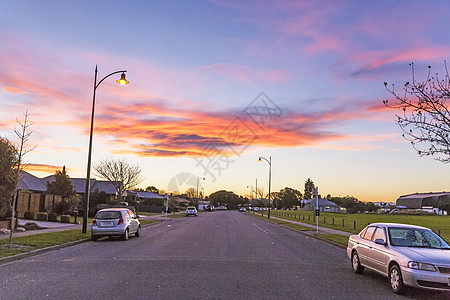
(122, 174)
(191, 192)
(424, 117)
(24, 134)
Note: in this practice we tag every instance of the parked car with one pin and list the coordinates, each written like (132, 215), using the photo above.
(115, 222)
(408, 255)
(191, 211)
(242, 209)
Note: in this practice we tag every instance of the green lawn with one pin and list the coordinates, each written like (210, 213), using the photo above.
(39, 241)
(356, 222)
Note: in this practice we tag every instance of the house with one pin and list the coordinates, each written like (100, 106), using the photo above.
(424, 201)
(148, 201)
(33, 195)
(324, 205)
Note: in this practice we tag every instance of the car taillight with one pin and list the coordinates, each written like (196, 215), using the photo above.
(120, 221)
(94, 221)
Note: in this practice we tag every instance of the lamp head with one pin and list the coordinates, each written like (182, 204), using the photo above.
(122, 79)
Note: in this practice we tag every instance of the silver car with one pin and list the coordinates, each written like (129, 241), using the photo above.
(191, 211)
(115, 222)
(408, 255)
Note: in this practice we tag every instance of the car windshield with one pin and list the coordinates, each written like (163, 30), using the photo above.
(416, 237)
(108, 215)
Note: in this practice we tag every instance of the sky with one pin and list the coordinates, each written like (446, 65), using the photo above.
(216, 84)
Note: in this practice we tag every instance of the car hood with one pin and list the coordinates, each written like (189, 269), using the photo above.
(427, 255)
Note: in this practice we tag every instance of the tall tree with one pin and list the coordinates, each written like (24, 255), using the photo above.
(424, 114)
(8, 176)
(62, 185)
(289, 197)
(309, 185)
(119, 172)
(230, 199)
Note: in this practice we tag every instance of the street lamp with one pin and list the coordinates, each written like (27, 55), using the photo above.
(198, 179)
(122, 81)
(251, 190)
(269, 161)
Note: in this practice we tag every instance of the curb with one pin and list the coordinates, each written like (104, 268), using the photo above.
(20, 256)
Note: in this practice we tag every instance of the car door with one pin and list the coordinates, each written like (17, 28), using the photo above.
(133, 222)
(379, 257)
(365, 246)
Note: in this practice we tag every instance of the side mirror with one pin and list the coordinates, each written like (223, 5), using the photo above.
(380, 242)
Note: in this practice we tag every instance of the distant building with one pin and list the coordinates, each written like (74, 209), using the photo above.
(384, 207)
(324, 205)
(424, 201)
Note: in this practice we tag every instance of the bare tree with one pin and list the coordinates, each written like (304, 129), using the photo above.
(191, 192)
(424, 118)
(24, 135)
(122, 174)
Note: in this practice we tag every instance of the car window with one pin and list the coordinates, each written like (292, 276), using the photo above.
(369, 232)
(416, 237)
(108, 215)
(379, 234)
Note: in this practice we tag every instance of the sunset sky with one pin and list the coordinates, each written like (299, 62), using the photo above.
(216, 84)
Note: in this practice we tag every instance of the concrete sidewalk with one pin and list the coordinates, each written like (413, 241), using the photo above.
(56, 226)
(322, 230)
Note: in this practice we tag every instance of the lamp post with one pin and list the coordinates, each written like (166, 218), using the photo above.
(198, 179)
(269, 161)
(122, 81)
(251, 190)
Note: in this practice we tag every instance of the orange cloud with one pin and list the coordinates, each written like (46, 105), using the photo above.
(156, 130)
(43, 168)
(13, 90)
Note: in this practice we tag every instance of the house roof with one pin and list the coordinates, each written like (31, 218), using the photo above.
(31, 182)
(424, 195)
(106, 186)
(146, 195)
(322, 202)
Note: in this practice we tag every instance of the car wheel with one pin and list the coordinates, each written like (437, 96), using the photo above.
(125, 235)
(395, 277)
(94, 238)
(138, 231)
(356, 265)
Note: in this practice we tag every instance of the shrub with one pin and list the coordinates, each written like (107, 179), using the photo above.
(65, 219)
(52, 217)
(32, 226)
(29, 215)
(42, 216)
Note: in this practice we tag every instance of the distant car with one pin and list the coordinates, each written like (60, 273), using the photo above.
(221, 207)
(242, 209)
(111, 222)
(408, 255)
(209, 208)
(191, 211)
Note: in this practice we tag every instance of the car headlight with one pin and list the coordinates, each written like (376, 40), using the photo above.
(421, 266)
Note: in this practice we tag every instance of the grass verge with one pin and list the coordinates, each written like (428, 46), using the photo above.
(39, 241)
(337, 238)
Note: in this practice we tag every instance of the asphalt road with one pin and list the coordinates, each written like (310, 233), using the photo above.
(217, 255)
